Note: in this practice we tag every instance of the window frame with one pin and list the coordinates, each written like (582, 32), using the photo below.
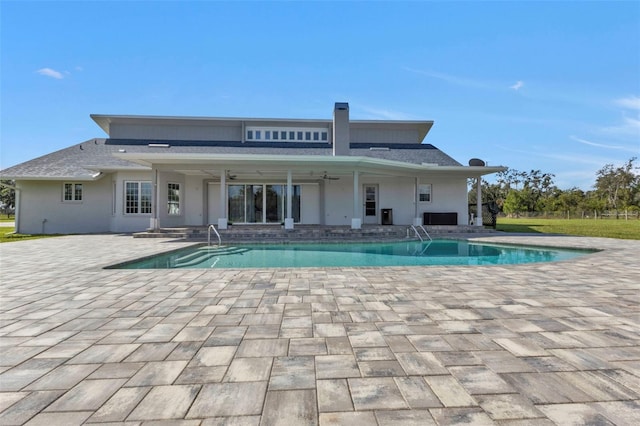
(74, 192)
(425, 189)
(139, 204)
(173, 202)
(288, 134)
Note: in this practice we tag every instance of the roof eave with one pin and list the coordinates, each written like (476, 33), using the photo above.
(82, 178)
(229, 160)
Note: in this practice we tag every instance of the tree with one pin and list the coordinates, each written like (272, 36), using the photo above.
(7, 196)
(515, 203)
(619, 186)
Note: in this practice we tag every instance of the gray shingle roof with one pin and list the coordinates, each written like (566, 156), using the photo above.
(86, 159)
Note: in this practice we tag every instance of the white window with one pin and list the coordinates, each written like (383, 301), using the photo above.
(173, 198)
(424, 192)
(137, 197)
(71, 192)
(255, 133)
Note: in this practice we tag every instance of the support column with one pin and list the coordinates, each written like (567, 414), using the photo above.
(222, 219)
(288, 221)
(417, 220)
(478, 221)
(17, 213)
(356, 220)
(155, 207)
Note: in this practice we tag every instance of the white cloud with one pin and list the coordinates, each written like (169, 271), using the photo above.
(517, 86)
(601, 145)
(632, 102)
(630, 127)
(50, 73)
(452, 79)
(379, 113)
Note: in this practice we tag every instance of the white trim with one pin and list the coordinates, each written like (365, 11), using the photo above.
(179, 199)
(291, 134)
(73, 200)
(139, 200)
(422, 186)
(304, 162)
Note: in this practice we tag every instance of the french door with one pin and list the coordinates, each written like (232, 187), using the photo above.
(370, 195)
(261, 203)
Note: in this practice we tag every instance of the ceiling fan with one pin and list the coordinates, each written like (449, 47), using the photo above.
(230, 176)
(327, 177)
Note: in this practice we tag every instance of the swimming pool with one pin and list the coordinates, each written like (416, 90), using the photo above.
(408, 253)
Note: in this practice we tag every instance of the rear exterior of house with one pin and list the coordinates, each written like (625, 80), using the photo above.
(162, 172)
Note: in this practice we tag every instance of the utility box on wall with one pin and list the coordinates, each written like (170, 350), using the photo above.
(387, 217)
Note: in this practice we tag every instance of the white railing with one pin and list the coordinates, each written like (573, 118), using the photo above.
(418, 233)
(209, 235)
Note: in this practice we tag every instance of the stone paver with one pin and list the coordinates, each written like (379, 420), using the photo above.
(537, 344)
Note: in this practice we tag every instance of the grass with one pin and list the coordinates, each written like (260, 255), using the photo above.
(609, 228)
(7, 235)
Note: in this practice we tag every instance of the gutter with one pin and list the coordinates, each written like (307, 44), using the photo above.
(86, 178)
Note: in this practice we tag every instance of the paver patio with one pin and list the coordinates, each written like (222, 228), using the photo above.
(537, 344)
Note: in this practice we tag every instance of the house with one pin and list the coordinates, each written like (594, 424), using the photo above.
(157, 172)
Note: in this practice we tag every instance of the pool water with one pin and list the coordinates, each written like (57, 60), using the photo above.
(411, 253)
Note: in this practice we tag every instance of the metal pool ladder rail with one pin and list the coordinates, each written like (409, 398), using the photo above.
(209, 235)
(423, 230)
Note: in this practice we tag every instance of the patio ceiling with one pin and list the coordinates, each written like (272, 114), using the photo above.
(301, 166)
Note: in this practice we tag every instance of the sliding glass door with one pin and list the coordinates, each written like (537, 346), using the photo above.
(260, 203)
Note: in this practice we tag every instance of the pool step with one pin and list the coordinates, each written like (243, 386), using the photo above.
(205, 254)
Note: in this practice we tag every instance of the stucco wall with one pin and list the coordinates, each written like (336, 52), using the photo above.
(398, 194)
(193, 196)
(448, 195)
(42, 210)
(310, 204)
(121, 222)
(168, 132)
(376, 135)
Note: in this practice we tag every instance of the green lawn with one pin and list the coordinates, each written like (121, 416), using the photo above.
(610, 228)
(7, 236)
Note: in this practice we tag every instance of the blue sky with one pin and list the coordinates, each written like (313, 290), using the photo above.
(547, 85)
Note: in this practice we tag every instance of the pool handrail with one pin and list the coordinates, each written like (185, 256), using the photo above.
(209, 235)
(418, 233)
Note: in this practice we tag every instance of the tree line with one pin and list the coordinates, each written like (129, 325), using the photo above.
(616, 191)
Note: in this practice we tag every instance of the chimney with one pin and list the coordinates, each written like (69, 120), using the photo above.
(341, 137)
